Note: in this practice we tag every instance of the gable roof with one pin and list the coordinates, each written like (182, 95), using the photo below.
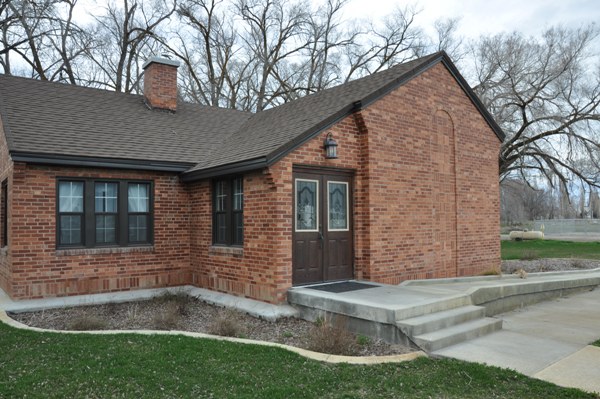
(64, 124)
(268, 135)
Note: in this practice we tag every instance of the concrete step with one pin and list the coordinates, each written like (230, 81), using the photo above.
(439, 320)
(434, 306)
(435, 340)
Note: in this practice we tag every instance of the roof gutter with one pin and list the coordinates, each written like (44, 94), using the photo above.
(92, 162)
(223, 170)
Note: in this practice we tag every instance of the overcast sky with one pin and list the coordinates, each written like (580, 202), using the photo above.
(477, 16)
(491, 16)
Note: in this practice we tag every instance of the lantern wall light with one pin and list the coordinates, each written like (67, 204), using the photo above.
(330, 146)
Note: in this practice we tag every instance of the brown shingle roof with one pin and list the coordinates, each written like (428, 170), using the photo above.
(266, 132)
(56, 119)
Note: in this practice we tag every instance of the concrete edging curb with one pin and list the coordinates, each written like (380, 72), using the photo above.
(322, 357)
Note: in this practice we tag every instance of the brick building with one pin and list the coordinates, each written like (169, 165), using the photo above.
(105, 191)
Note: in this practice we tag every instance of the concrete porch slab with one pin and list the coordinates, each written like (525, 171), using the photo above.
(387, 311)
(390, 303)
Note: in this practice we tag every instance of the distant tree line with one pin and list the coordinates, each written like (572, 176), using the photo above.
(520, 202)
(254, 54)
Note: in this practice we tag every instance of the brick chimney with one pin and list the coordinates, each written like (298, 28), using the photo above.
(160, 83)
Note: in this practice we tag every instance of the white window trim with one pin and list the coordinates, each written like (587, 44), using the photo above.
(347, 205)
(296, 205)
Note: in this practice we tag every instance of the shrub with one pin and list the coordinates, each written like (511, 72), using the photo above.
(167, 318)
(180, 301)
(86, 322)
(330, 338)
(131, 313)
(363, 340)
(226, 324)
(492, 271)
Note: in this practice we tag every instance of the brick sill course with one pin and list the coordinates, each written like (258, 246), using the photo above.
(102, 251)
(219, 250)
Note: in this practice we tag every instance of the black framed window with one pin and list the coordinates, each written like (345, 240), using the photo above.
(96, 213)
(238, 211)
(70, 212)
(138, 206)
(228, 211)
(106, 204)
(4, 201)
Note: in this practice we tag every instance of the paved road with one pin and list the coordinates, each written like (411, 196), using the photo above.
(548, 341)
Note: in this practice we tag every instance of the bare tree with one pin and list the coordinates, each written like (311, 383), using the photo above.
(321, 63)
(447, 39)
(396, 39)
(43, 36)
(546, 97)
(126, 35)
(520, 202)
(594, 204)
(275, 32)
(70, 43)
(7, 19)
(28, 25)
(208, 45)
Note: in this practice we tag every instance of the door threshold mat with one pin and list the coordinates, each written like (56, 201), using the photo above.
(342, 286)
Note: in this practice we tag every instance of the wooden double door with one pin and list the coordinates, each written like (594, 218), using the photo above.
(322, 226)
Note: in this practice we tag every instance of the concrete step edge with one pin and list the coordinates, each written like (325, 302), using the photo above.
(459, 333)
(440, 320)
(433, 307)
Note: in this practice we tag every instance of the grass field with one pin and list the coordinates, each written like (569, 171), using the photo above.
(48, 365)
(550, 249)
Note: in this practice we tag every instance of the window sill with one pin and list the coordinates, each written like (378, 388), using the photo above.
(221, 250)
(104, 251)
(4, 251)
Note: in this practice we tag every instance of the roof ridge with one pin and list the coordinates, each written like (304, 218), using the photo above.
(107, 91)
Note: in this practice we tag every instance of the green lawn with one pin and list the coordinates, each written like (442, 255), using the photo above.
(550, 249)
(49, 365)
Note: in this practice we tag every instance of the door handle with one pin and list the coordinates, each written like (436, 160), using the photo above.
(321, 238)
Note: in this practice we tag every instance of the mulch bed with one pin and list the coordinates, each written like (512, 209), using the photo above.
(180, 312)
(548, 265)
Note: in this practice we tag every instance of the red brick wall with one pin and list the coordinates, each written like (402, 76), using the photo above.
(259, 268)
(433, 183)
(426, 197)
(6, 166)
(40, 270)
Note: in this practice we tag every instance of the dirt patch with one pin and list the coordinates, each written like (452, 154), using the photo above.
(180, 312)
(548, 265)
